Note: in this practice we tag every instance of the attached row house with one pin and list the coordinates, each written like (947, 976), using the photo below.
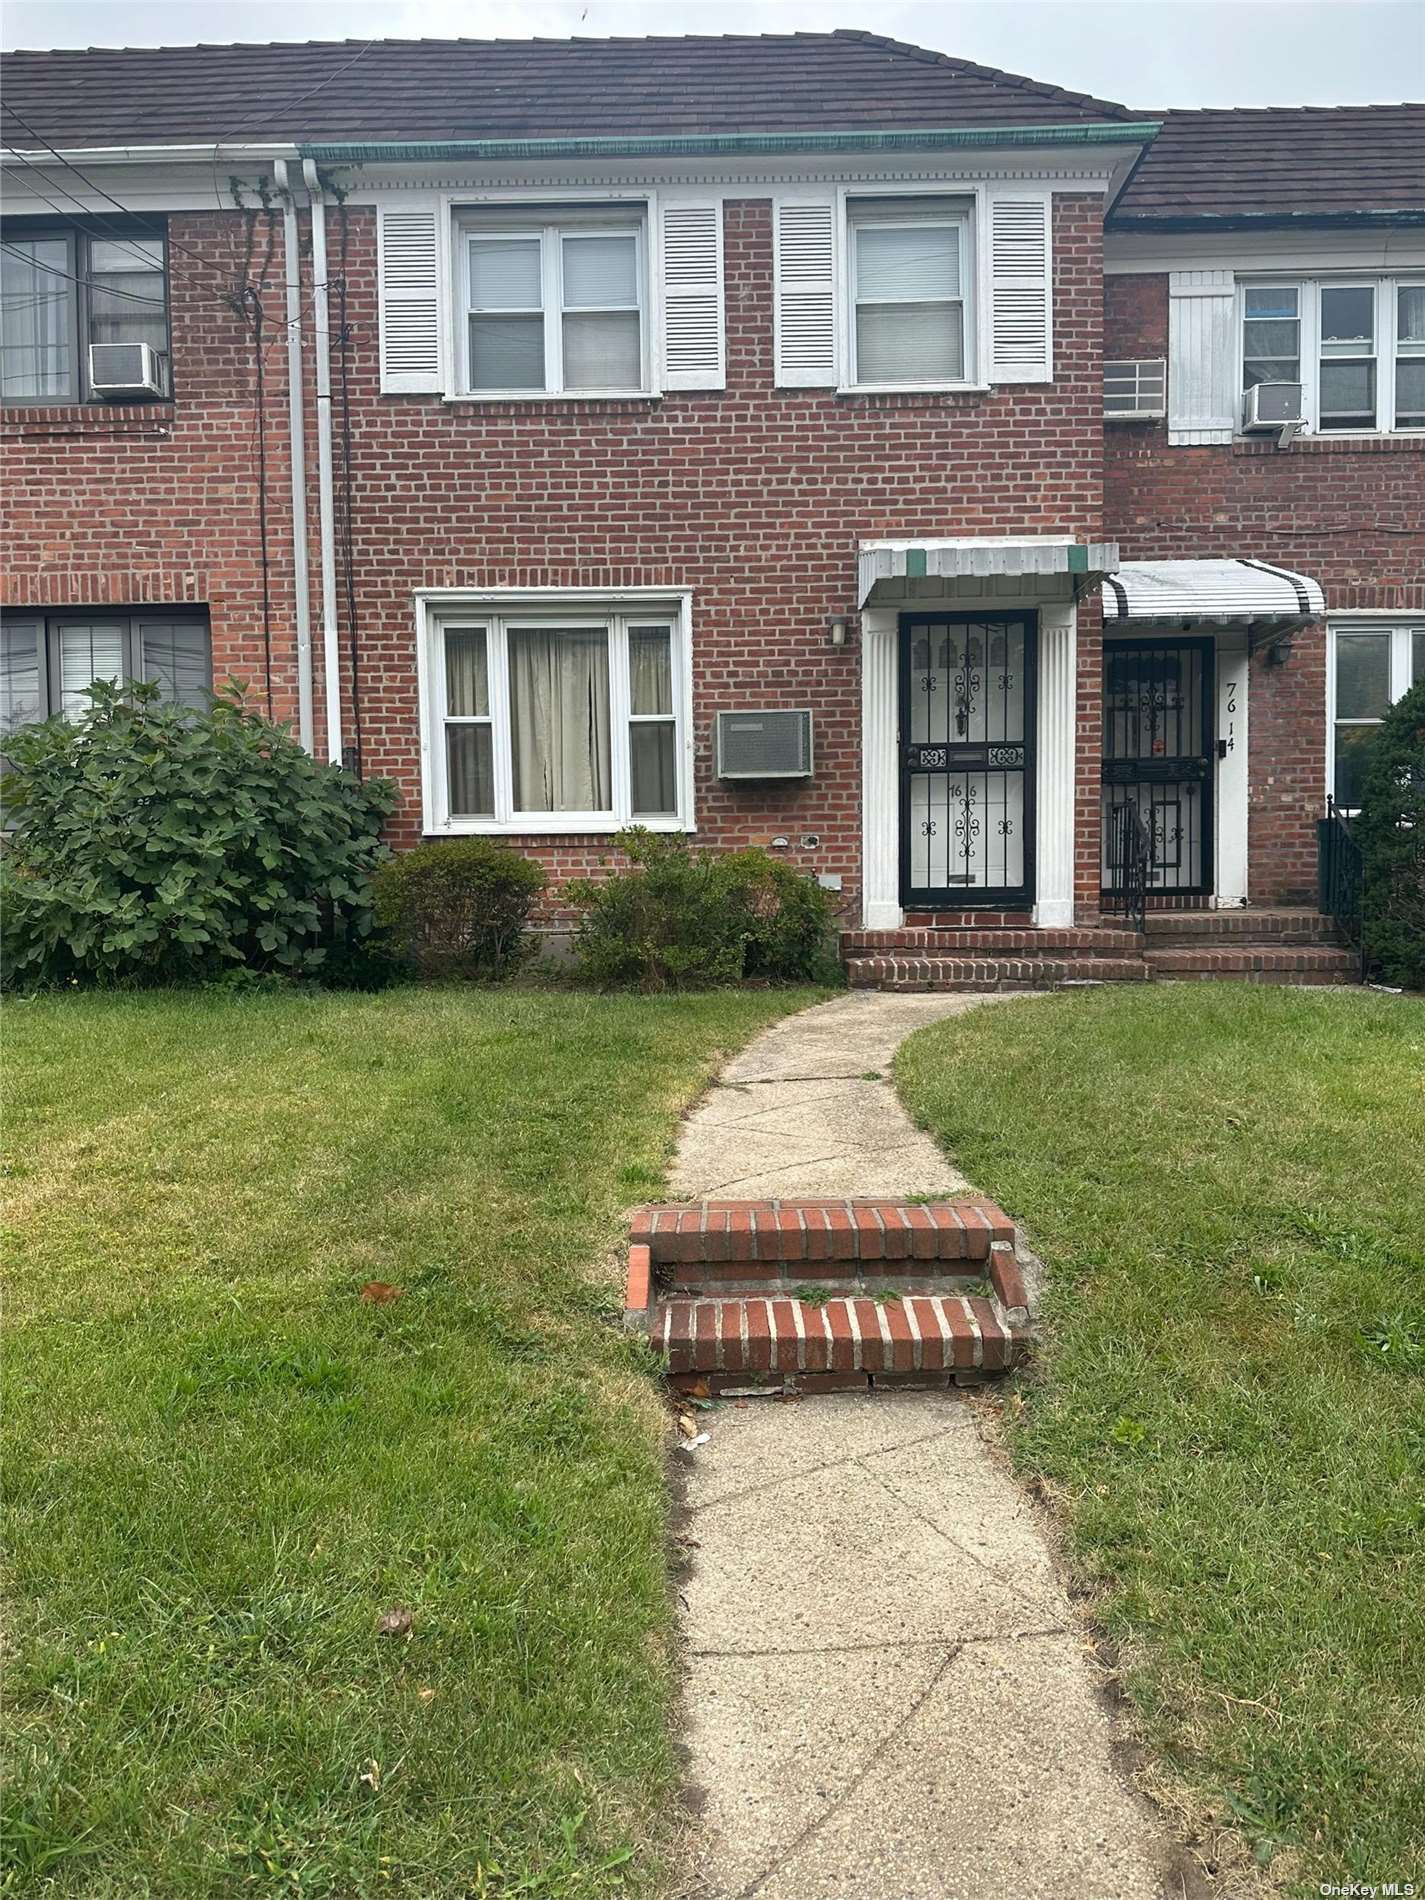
(1007, 505)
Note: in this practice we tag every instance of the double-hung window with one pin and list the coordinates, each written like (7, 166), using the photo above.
(1356, 346)
(49, 660)
(1371, 667)
(547, 718)
(63, 288)
(556, 301)
(910, 276)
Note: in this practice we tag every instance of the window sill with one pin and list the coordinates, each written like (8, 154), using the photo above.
(913, 389)
(551, 825)
(20, 415)
(1339, 442)
(525, 398)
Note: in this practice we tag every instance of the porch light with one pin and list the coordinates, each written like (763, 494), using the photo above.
(838, 625)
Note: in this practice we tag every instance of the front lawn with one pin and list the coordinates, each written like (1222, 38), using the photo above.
(1228, 1186)
(224, 1465)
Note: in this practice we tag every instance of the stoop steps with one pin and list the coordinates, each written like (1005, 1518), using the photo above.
(812, 1295)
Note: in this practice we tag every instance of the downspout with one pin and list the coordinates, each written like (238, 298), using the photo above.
(297, 432)
(326, 506)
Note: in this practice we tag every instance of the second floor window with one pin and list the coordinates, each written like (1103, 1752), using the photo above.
(1356, 347)
(62, 289)
(909, 275)
(556, 304)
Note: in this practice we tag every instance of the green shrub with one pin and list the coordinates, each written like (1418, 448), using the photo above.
(1390, 829)
(152, 844)
(458, 908)
(681, 918)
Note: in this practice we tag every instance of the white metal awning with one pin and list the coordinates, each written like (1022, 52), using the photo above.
(1239, 593)
(978, 564)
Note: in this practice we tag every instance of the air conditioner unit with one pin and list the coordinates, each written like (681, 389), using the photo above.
(124, 369)
(1271, 405)
(772, 744)
(1135, 389)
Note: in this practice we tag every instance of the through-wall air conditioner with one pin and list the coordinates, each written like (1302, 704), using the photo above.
(124, 369)
(1135, 389)
(772, 744)
(1271, 405)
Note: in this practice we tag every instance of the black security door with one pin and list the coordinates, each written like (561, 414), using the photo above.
(967, 760)
(1158, 750)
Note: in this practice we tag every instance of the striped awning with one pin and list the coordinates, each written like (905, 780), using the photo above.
(977, 563)
(1241, 593)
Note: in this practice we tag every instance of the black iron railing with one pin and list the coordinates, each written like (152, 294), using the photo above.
(1340, 879)
(1130, 865)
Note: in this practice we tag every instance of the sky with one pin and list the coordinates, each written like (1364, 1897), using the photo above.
(1138, 52)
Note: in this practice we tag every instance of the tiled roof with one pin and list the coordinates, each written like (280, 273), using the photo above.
(443, 90)
(1279, 162)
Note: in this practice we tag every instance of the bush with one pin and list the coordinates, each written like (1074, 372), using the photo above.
(1391, 832)
(153, 844)
(680, 918)
(458, 908)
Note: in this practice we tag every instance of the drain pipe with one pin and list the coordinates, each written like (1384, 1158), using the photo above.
(326, 506)
(297, 432)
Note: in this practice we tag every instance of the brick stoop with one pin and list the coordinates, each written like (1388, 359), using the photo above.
(906, 1292)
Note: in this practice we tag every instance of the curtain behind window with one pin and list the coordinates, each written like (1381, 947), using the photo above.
(35, 297)
(559, 719)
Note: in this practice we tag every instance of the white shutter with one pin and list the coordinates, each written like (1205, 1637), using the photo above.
(408, 278)
(804, 271)
(1202, 356)
(1021, 288)
(694, 351)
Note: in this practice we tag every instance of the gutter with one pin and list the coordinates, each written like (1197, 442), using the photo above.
(326, 505)
(714, 144)
(296, 429)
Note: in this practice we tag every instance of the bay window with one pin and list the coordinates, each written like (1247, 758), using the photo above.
(542, 717)
(64, 288)
(555, 300)
(1356, 346)
(1371, 666)
(910, 277)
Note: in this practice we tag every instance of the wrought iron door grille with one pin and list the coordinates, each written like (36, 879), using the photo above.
(1157, 760)
(967, 759)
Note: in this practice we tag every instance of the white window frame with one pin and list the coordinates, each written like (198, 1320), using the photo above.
(500, 609)
(973, 291)
(550, 235)
(1309, 289)
(1402, 628)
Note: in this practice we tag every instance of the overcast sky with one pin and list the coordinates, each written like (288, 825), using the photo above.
(1139, 52)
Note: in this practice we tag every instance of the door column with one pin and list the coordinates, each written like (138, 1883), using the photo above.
(1055, 742)
(880, 788)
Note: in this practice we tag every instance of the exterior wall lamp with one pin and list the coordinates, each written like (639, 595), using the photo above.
(838, 626)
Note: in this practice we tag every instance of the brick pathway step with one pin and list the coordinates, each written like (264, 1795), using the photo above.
(1279, 924)
(941, 972)
(972, 940)
(1255, 962)
(820, 1233)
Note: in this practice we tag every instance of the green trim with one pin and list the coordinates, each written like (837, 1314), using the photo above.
(915, 564)
(1125, 132)
(1078, 558)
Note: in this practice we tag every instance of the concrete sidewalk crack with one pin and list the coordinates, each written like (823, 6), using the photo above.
(861, 1649)
(832, 1464)
(877, 1755)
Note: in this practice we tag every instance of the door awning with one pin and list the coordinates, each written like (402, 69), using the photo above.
(1239, 593)
(978, 564)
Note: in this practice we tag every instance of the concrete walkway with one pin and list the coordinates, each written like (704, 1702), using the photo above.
(887, 1696)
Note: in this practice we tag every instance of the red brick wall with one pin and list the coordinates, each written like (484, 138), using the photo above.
(1349, 513)
(755, 498)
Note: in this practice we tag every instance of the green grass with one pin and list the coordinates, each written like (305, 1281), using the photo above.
(1228, 1186)
(223, 1466)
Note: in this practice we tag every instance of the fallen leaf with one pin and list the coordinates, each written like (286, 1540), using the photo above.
(380, 1292)
(687, 1425)
(426, 1695)
(394, 1623)
(698, 1389)
(370, 1776)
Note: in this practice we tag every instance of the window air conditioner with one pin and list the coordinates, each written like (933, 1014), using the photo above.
(124, 369)
(771, 744)
(1271, 405)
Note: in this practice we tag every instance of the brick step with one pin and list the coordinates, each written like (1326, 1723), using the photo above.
(967, 919)
(1292, 925)
(1256, 962)
(744, 1340)
(989, 973)
(974, 941)
(822, 1234)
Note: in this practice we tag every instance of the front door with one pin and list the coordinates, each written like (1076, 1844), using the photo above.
(967, 760)
(1158, 750)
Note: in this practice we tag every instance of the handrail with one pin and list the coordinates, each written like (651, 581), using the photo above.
(1341, 879)
(1130, 864)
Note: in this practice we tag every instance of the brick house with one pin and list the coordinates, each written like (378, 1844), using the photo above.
(714, 434)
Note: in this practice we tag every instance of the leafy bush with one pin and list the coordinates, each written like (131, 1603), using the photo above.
(1391, 831)
(458, 908)
(152, 844)
(680, 918)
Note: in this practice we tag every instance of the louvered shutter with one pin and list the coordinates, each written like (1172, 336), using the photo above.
(1021, 288)
(805, 293)
(1202, 356)
(693, 348)
(409, 279)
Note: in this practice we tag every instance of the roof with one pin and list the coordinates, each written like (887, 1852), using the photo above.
(445, 90)
(1209, 593)
(1319, 163)
(906, 571)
